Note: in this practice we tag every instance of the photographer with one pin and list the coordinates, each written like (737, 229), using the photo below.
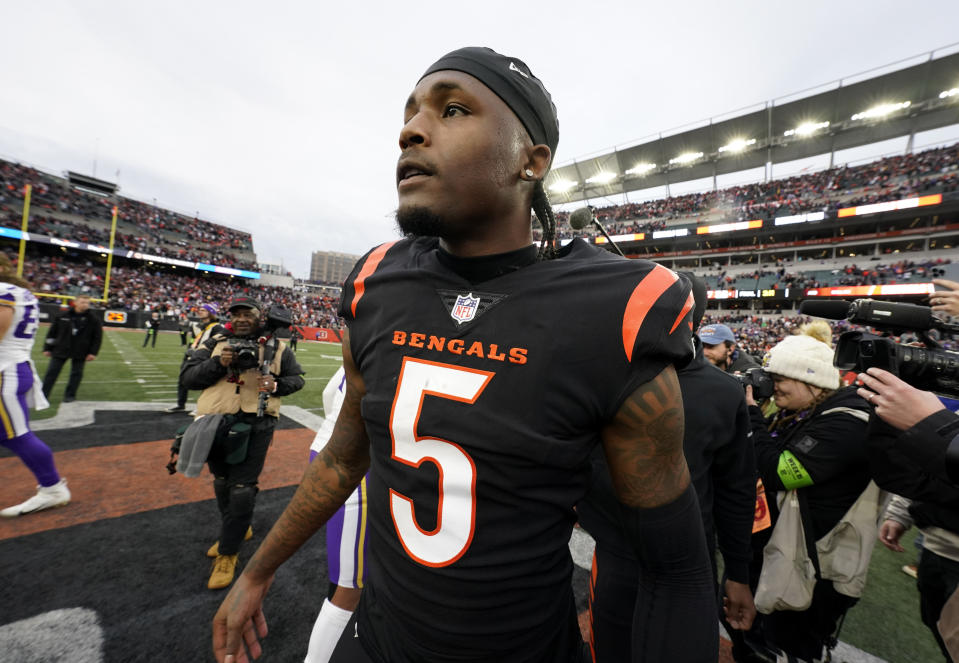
(814, 444)
(226, 369)
(206, 325)
(911, 447)
(930, 432)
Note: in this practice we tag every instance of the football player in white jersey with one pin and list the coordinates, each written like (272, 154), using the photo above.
(345, 542)
(20, 389)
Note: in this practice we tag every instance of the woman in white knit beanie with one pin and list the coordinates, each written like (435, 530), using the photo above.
(815, 445)
(802, 371)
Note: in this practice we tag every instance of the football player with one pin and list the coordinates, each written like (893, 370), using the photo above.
(481, 370)
(20, 390)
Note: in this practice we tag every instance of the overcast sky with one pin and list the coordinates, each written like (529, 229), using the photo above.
(282, 118)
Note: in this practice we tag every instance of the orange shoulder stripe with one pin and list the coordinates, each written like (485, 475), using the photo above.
(647, 291)
(372, 262)
(687, 307)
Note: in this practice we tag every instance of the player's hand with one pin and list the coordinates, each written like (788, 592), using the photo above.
(889, 534)
(749, 396)
(226, 356)
(738, 605)
(239, 622)
(91, 357)
(945, 300)
(897, 403)
(47, 353)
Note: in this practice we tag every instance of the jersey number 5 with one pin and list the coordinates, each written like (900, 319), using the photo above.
(456, 507)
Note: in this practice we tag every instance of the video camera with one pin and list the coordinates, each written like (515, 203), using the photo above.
(928, 368)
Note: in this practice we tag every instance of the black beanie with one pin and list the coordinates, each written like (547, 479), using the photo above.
(513, 82)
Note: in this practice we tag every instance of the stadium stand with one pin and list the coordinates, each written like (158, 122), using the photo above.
(891, 178)
(62, 211)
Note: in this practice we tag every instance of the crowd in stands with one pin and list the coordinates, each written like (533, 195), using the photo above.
(141, 227)
(891, 178)
(902, 271)
(170, 293)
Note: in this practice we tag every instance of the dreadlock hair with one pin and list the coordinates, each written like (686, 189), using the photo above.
(547, 221)
(8, 274)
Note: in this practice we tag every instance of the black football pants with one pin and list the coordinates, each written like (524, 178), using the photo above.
(236, 485)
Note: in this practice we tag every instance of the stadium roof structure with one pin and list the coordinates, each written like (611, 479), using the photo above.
(849, 113)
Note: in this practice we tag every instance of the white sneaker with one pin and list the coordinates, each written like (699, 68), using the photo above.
(46, 498)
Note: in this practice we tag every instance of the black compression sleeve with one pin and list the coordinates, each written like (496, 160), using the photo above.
(675, 618)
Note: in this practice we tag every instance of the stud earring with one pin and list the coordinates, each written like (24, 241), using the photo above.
(528, 172)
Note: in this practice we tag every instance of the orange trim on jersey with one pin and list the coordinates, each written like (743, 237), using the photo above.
(592, 585)
(359, 285)
(644, 296)
(687, 307)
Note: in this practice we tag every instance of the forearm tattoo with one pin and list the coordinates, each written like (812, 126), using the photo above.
(644, 444)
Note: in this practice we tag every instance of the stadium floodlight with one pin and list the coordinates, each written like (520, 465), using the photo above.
(562, 186)
(602, 177)
(738, 145)
(881, 110)
(641, 169)
(945, 94)
(688, 157)
(806, 129)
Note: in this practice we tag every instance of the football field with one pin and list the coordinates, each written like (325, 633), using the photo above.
(126, 371)
(885, 624)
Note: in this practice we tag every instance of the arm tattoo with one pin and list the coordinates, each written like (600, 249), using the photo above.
(329, 480)
(644, 444)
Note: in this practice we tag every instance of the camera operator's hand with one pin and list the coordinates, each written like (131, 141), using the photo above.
(749, 396)
(266, 383)
(897, 403)
(226, 356)
(946, 301)
(889, 534)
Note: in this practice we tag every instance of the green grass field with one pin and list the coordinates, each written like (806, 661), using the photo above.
(126, 371)
(885, 623)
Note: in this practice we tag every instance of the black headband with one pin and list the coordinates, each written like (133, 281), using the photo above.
(513, 82)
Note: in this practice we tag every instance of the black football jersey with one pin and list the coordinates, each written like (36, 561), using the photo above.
(483, 403)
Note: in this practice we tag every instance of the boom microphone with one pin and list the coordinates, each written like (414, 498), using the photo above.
(874, 313)
(581, 218)
(830, 309)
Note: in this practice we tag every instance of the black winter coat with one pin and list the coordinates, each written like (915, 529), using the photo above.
(74, 335)
(902, 463)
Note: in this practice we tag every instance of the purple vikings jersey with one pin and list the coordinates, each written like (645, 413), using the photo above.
(346, 530)
(19, 384)
(483, 402)
(16, 344)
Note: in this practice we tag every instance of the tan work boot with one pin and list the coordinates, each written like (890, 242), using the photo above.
(214, 550)
(224, 569)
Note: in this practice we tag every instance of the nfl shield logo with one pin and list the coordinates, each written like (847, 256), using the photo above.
(465, 307)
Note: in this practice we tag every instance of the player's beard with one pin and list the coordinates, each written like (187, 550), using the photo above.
(416, 221)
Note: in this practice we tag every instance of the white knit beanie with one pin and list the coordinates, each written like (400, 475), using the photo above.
(805, 359)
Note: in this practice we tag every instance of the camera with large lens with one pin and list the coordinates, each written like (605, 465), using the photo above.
(759, 380)
(928, 368)
(246, 353)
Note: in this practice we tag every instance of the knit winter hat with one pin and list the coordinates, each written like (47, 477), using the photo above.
(805, 359)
